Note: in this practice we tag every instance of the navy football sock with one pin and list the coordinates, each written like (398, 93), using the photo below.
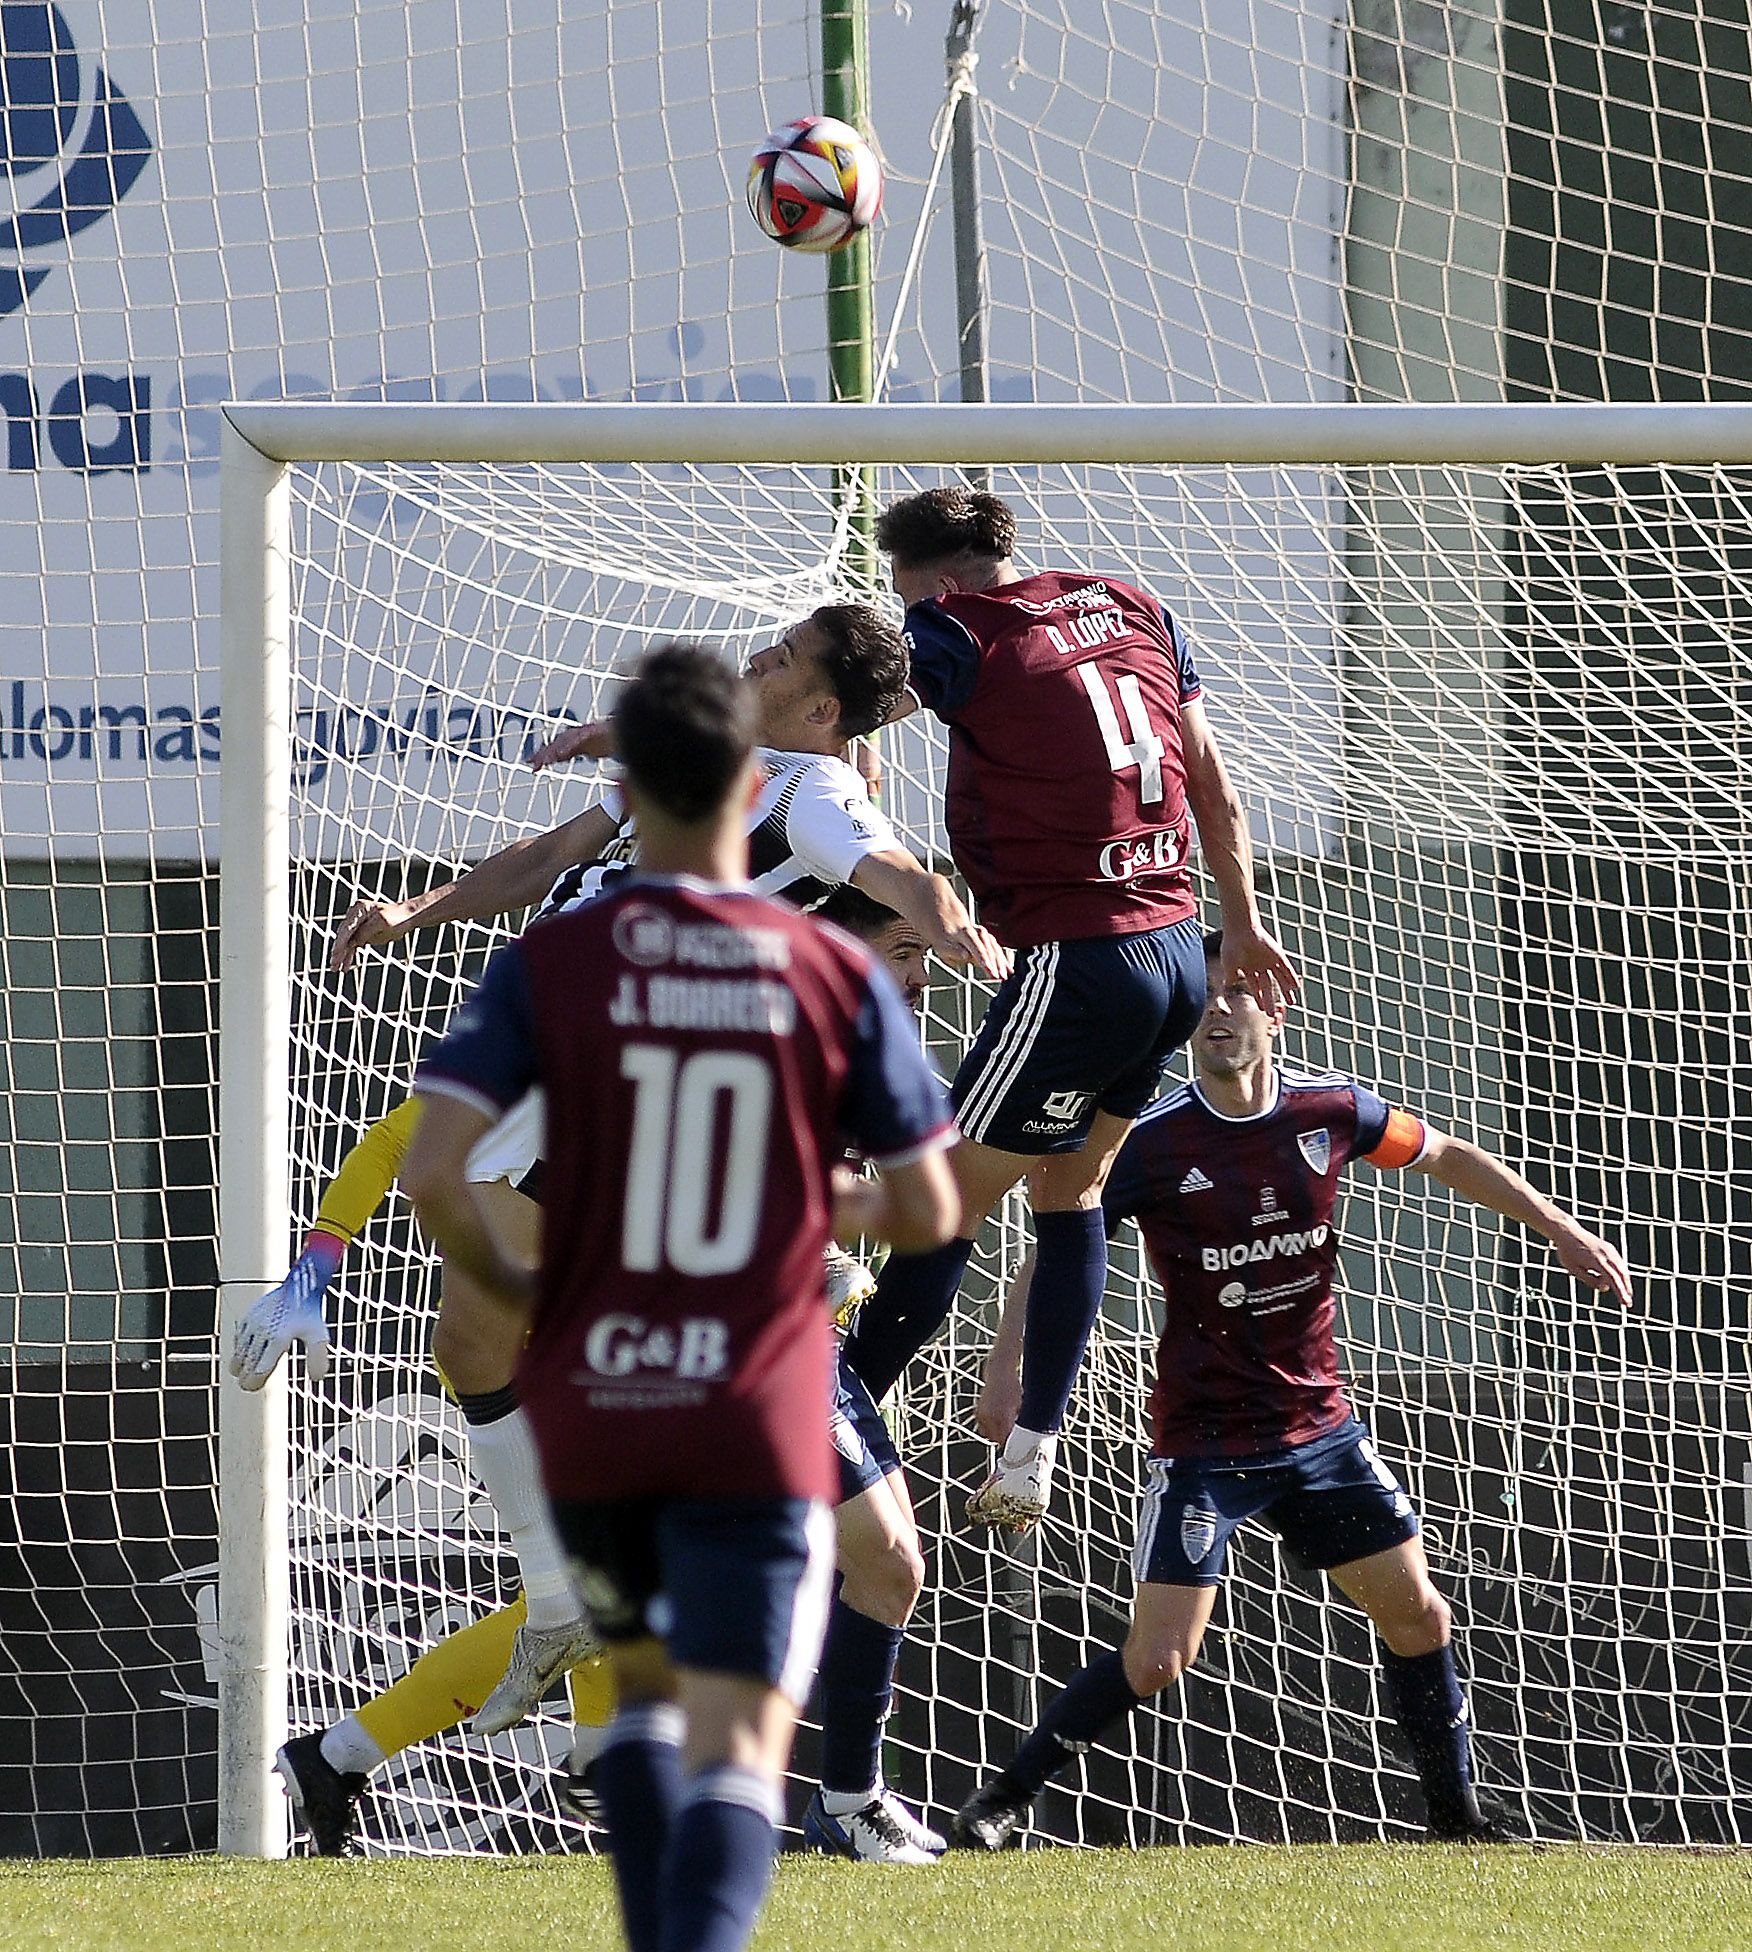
(1090, 1704)
(720, 1860)
(1070, 1273)
(914, 1294)
(857, 1681)
(637, 1776)
(1431, 1711)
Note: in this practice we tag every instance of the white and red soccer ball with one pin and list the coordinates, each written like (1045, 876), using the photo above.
(814, 184)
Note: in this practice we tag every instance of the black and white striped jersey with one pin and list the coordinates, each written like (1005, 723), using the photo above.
(812, 824)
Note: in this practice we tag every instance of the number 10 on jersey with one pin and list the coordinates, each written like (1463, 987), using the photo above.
(675, 1160)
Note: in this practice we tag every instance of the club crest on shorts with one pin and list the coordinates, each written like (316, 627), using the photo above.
(1316, 1148)
(1198, 1532)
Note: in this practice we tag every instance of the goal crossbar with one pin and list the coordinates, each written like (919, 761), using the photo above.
(1448, 433)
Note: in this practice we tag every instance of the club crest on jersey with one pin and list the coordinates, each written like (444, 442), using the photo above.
(1198, 1532)
(644, 935)
(1316, 1148)
(1195, 1182)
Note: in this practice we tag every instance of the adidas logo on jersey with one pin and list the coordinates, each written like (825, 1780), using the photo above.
(1195, 1182)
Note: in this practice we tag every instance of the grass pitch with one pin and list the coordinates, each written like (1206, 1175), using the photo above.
(1312, 1899)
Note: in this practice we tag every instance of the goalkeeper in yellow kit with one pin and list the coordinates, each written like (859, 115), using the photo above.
(325, 1772)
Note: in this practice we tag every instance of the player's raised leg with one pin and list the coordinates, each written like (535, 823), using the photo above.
(326, 1773)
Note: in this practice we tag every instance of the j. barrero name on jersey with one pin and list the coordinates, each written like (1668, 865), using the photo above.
(723, 1001)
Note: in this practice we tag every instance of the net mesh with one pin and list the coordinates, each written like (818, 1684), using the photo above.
(1489, 725)
(515, 199)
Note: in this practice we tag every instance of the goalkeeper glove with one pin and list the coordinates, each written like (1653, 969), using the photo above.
(849, 1285)
(291, 1313)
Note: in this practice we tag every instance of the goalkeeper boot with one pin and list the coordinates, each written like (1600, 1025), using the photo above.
(881, 1831)
(539, 1656)
(325, 1800)
(578, 1794)
(990, 1818)
(1016, 1494)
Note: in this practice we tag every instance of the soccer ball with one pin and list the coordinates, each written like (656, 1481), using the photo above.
(815, 184)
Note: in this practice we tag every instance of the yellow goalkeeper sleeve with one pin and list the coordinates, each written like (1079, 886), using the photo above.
(367, 1173)
(450, 1681)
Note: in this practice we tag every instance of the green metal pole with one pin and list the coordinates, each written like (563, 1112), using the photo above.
(851, 308)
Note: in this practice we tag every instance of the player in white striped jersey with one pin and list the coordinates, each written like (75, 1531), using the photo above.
(830, 679)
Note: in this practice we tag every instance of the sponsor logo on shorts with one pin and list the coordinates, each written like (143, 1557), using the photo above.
(1316, 1148)
(1198, 1532)
(1060, 1111)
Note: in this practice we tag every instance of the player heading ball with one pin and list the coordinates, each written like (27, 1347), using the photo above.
(1080, 764)
(678, 1357)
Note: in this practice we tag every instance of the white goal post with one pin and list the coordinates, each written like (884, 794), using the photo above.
(1403, 590)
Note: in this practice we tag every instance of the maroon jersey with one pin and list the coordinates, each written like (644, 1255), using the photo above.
(706, 1054)
(1236, 1215)
(1066, 799)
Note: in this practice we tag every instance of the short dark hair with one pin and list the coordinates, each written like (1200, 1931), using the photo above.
(864, 660)
(854, 911)
(684, 729)
(942, 525)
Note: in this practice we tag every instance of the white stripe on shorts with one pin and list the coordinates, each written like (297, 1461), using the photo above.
(809, 1609)
(1015, 1042)
(1149, 1520)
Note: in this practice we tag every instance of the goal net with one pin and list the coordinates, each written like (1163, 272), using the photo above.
(1488, 722)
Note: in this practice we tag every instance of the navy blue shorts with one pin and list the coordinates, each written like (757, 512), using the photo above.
(1330, 1501)
(860, 1438)
(729, 1585)
(1077, 1028)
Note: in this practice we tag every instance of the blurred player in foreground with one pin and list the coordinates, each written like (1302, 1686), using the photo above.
(830, 678)
(1232, 1180)
(853, 1813)
(1080, 761)
(703, 1050)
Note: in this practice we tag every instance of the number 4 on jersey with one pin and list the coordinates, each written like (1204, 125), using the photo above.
(1145, 749)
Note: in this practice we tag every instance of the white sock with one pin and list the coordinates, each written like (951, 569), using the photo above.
(841, 1802)
(1023, 1443)
(505, 1461)
(348, 1750)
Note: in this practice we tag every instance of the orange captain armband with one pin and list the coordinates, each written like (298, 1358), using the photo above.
(1402, 1144)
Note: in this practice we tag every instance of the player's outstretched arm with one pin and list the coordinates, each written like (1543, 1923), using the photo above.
(914, 1207)
(1250, 954)
(1000, 1392)
(594, 739)
(293, 1311)
(893, 877)
(516, 877)
(1481, 1177)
